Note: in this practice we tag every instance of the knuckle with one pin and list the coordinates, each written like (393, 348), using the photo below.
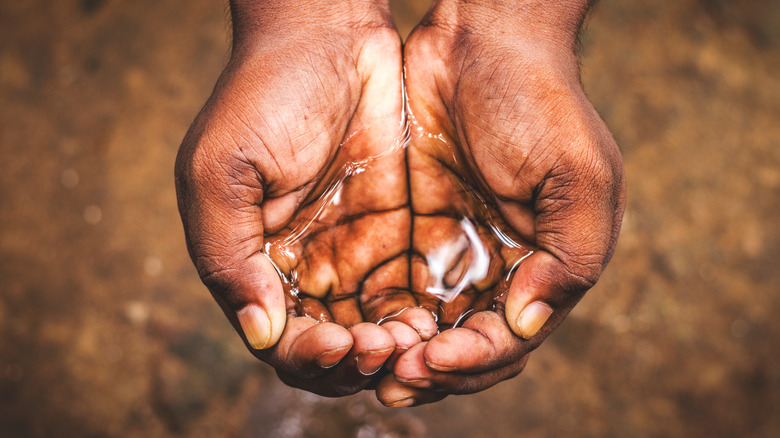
(582, 273)
(577, 268)
(216, 274)
(585, 168)
(218, 264)
(598, 178)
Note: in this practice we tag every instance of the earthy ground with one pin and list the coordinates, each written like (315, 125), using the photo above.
(105, 329)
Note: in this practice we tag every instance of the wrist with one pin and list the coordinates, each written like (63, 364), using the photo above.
(253, 19)
(552, 23)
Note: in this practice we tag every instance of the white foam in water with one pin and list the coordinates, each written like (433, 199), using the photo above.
(441, 259)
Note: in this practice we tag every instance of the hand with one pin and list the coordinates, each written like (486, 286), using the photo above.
(301, 82)
(496, 100)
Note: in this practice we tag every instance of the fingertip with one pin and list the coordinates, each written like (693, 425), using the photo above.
(411, 369)
(307, 347)
(394, 394)
(421, 320)
(369, 336)
(528, 303)
(332, 340)
(373, 345)
(331, 358)
(531, 319)
(256, 326)
(451, 350)
(253, 300)
(277, 314)
(262, 328)
(405, 337)
(483, 342)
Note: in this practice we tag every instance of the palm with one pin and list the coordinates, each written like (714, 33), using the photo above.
(462, 167)
(509, 121)
(281, 122)
(344, 254)
(520, 129)
(338, 227)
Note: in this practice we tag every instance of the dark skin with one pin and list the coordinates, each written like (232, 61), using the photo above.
(513, 124)
(509, 101)
(259, 148)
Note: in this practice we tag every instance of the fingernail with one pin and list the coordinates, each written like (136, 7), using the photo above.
(256, 325)
(532, 318)
(330, 359)
(415, 383)
(442, 368)
(403, 403)
(369, 363)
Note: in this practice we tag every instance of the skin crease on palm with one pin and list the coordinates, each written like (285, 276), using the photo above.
(315, 169)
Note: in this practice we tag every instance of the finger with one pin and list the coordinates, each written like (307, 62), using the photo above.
(394, 394)
(371, 347)
(412, 370)
(252, 298)
(541, 294)
(405, 338)
(313, 308)
(578, 209)
(420, 319)
(308, 348)
(361, 368)
(482, 344)
(455, 383)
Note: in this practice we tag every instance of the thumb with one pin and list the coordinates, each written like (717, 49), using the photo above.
(541, 294)
(223, 223)
(578, 215)
(225, 245)
(251, 295)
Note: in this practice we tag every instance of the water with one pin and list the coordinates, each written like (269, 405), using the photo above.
(395, 228)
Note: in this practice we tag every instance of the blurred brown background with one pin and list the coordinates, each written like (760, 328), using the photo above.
(105, 329)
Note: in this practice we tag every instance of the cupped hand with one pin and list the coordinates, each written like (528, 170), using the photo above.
(306, 91)
(496, 104)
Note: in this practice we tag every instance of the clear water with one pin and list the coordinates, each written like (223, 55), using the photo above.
(396, 228)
